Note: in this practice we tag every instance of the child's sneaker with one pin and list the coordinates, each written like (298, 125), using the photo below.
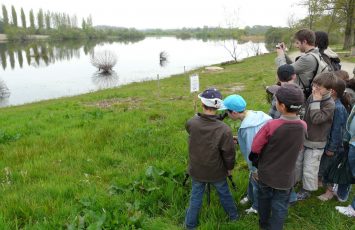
(244, 201)
(303, 195)
(348, 211)
(251, 210)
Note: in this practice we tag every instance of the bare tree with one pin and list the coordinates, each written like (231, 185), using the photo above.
(232, 45)
(104, 60)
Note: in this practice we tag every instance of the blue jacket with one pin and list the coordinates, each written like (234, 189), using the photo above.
(337, 131)
(350, 135)
(250, 125)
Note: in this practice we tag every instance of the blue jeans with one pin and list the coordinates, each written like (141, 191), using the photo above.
(344, 189)
(253, 192)
(273, 206)
(197, 190)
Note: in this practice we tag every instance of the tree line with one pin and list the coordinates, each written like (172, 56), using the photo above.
(56, 26)
(336, 17)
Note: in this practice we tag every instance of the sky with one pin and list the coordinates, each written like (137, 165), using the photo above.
(170, 14)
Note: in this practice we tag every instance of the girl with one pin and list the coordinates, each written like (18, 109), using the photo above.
(335, 140)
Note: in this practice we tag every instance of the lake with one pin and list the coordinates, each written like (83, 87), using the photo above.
(37, 71)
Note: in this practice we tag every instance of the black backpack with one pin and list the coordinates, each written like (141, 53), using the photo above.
(334, 63)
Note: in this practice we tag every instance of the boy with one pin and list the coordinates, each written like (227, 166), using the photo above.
(275, 150)
(285, 74)
(251, 122)
(211, 157)
(319, 111)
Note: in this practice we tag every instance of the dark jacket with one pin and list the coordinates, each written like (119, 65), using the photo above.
(319, 119)
(277, 145)
(211, 148)
(337, 131)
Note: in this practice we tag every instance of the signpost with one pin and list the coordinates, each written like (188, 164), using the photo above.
(194, 87)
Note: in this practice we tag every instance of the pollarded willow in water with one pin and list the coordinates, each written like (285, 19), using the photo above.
(104, 60)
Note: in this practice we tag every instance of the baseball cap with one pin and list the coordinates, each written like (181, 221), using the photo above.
(211, 97)
(291, 95)
(234, 102)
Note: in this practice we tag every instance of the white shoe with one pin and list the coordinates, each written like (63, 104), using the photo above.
(348, 211)
(244, 201)
(251, 210)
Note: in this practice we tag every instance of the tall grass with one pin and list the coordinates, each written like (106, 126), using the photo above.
(116, 159)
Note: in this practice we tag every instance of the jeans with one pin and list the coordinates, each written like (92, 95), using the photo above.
(273, 206)
(253, 192)
(197, 190)
(344, 189)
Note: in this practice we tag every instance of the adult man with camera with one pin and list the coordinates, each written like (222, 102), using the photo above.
(306, 65)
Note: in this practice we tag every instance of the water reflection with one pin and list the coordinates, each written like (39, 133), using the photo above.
(4, 91)
(44, 53)
(104, 80)
(163, 59)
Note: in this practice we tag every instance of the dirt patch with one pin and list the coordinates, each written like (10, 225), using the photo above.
(234, 88)
(126, 103)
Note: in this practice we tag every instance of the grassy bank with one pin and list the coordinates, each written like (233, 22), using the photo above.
(115, 159)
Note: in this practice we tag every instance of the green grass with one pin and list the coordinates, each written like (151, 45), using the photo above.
(115, 159)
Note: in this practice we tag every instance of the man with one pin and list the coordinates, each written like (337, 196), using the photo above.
(306, 65)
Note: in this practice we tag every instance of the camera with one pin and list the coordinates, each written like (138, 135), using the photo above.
(280, 46)
(222, 116)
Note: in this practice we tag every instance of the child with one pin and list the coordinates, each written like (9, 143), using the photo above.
(335, 140)
(251, 122)
(275, 150)
(319, 111)
(211, 157)
(285, 74)
(350, 127)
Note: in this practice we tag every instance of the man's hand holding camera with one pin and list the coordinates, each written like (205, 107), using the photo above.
(280, 48)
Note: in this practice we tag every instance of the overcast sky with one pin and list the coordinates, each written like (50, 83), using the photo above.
(166, 14)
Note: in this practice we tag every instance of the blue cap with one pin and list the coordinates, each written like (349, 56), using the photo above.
(234, 102)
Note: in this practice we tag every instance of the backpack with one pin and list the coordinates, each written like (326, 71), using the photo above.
(322, 67)
(335, 63)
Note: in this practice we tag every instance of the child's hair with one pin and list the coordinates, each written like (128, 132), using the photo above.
(306, 35)
(351, 84)
(345, 98)
(327, 80)
(342, 74)
(209, 108)
(322, 40)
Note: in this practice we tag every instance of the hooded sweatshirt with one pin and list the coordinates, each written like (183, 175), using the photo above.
(250, 125)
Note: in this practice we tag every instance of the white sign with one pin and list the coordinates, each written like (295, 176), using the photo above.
(194, 83)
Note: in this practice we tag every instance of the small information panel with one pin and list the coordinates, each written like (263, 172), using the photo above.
(194, 83)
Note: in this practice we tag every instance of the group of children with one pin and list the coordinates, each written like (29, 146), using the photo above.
(280, 148)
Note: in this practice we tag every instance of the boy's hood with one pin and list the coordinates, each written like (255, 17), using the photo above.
(254, 118)
(330, 53)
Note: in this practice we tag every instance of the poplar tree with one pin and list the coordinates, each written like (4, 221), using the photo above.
(40, 19)
(14, 16)
(23, 19)
(32, 20)
(48, 20)
(5, 16)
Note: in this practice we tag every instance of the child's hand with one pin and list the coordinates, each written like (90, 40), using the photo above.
(317, 96)
(235, 140)
(329, 153)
